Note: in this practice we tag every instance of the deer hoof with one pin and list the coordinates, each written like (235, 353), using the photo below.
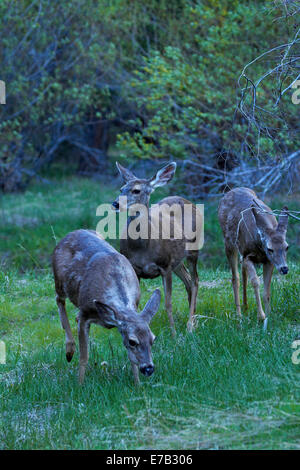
(69, 357)
(70, 349)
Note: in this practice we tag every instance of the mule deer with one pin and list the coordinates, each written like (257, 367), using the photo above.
(161, 255)
(249, 227)
(103, 285)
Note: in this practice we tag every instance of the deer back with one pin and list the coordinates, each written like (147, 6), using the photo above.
(87, 267)
(245, 221)
(166, 244)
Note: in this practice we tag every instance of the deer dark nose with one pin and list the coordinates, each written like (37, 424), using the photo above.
(115, 204)
(284, 270)
(147, 370)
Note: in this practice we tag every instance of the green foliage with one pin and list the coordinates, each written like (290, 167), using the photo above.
(52, 64)
(162, 74)
(186, 94)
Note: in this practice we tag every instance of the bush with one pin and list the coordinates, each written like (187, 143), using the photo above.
(162, 76)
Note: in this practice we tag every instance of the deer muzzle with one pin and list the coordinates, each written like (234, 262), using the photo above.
(283, 270)
(147, 369)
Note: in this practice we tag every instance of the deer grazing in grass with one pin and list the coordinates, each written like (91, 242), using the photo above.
(103, 285)
(250, 228)
(160, 255)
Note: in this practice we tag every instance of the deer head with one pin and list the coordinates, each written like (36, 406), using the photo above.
(136, 190)
(134, 328)
(273, 240)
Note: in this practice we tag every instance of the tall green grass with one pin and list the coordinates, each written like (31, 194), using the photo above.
(226, 386)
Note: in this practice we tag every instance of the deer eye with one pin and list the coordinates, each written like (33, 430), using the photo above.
(136, 191)
(270, 250)
(133, 343)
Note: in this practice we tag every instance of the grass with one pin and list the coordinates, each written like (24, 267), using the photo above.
(223, 387)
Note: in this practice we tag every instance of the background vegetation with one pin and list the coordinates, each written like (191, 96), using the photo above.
(207, 82)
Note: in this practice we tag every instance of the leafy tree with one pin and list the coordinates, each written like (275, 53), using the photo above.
(161, 78)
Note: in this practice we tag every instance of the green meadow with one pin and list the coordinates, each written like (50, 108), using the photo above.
(225, 386)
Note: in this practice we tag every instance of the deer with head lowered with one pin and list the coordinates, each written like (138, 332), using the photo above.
(164, 253)
(250, 228)
(103, 285)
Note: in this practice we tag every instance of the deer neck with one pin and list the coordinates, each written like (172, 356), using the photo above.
(143, 219)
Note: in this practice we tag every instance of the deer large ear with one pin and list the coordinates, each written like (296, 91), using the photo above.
(283, 220)
(151, 306)
(106, 313)
(126, 174)
(258, 213)
(163, 176)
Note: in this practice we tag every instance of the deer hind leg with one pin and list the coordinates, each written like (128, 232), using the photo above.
(192, 264)
(167, 282)
(268, 272)
(83, 336)
(232, 256)
(255, 283)
(70, 343)
(245, 282)
(185, 276)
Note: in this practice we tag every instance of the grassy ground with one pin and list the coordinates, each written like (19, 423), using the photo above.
(222, 387)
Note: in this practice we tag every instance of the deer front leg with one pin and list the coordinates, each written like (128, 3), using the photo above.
(255, 283)
(167, 282)
(70, 343)
(232, 256)
(245, 282)
(192, 264)
(267, 272)
(83, 336)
